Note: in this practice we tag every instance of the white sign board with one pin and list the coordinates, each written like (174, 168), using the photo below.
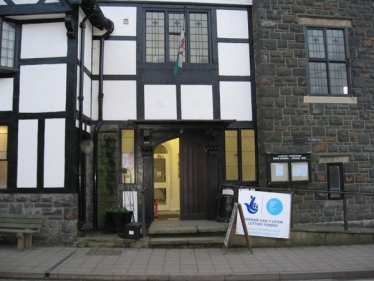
(266, 214)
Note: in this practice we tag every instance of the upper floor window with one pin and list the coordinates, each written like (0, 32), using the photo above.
(327, 61)
(8, 44)
(163, 31)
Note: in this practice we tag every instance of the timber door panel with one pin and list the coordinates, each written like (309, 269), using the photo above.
(193, 181)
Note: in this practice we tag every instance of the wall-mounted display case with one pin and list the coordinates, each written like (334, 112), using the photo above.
(288, 168)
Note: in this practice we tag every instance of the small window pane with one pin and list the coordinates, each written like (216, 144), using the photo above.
(3, 174)
(176, 22)
(231, 148)
(3, 156)
(318, 78)
(8, 44)
(316, 44)
(338, 79)
(199, 38)
(155, 37)
(335, 44)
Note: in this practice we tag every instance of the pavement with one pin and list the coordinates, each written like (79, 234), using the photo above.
(293, 263)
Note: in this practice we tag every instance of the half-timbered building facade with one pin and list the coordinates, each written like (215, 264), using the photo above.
(95, 109)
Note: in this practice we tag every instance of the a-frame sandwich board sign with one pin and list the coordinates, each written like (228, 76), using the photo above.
(237, 208)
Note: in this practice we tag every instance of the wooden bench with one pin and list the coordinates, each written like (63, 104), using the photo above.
(23, 225)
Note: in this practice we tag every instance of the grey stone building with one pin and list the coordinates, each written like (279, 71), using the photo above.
(314, 92)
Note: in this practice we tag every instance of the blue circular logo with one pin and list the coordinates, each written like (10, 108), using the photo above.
(274, 206)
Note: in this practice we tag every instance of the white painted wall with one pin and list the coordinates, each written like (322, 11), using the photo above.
(119, 57)
(228, 28)
(6, 94)
(197, 101)
(27, 153)
(54, 153)
(119, 100)
(43, 88)
(44, 40)
(236, 101)
(233, 59)
(160, 102)
(87, 91)
(117, 15)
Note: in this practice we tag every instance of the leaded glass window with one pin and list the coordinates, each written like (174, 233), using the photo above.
(327, 61)
(163, 31)
(8, 43)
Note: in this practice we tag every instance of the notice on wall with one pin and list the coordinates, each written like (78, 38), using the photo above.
(266, 214)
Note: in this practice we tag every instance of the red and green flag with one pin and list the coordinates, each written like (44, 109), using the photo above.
(180, 56)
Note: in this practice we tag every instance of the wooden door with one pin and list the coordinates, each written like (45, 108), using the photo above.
(193, 172)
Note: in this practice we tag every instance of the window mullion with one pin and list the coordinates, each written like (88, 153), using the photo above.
(327, 61)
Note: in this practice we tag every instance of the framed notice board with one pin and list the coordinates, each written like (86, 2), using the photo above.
(288, 168)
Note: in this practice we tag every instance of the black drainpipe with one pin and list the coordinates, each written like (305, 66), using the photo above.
(99, 123)
(81, 180)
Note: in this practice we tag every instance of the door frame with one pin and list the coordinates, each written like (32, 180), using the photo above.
(209, 134)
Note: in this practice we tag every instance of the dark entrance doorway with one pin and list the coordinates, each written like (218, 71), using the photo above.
(193, 181)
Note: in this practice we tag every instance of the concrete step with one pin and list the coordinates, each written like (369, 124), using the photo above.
(181, 242)
(101, 240)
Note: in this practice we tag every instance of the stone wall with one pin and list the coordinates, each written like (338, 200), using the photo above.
(59, 210)
(327, 129)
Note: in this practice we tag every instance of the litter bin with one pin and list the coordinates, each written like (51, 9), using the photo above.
(225, 204)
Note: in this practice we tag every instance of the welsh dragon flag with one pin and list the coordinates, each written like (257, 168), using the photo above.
(180, 56)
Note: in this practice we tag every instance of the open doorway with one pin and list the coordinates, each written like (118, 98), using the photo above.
(166, 179)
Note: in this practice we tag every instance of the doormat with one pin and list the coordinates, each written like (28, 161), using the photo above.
(104, 252)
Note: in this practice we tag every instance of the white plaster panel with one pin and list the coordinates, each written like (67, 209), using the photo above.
(117, 15)
(27, 153)
(6, 94)
(43, 88)
(88, 46)
(119, 100)
(119, 57)
(160, 102)
(197, 101)
(54, 153)
(50, 35)
(233, 59)
(94, 103)
(96, 57)
(2, 2)
(86, 95)
(229, 28)
(236, 101)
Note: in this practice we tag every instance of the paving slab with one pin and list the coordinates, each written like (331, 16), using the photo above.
(295, 263)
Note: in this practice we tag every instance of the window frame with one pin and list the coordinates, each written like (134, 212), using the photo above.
(341, 179)
(6, 159)
(239, 152)
(6, 69)
(186, 11)
(328, 61)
